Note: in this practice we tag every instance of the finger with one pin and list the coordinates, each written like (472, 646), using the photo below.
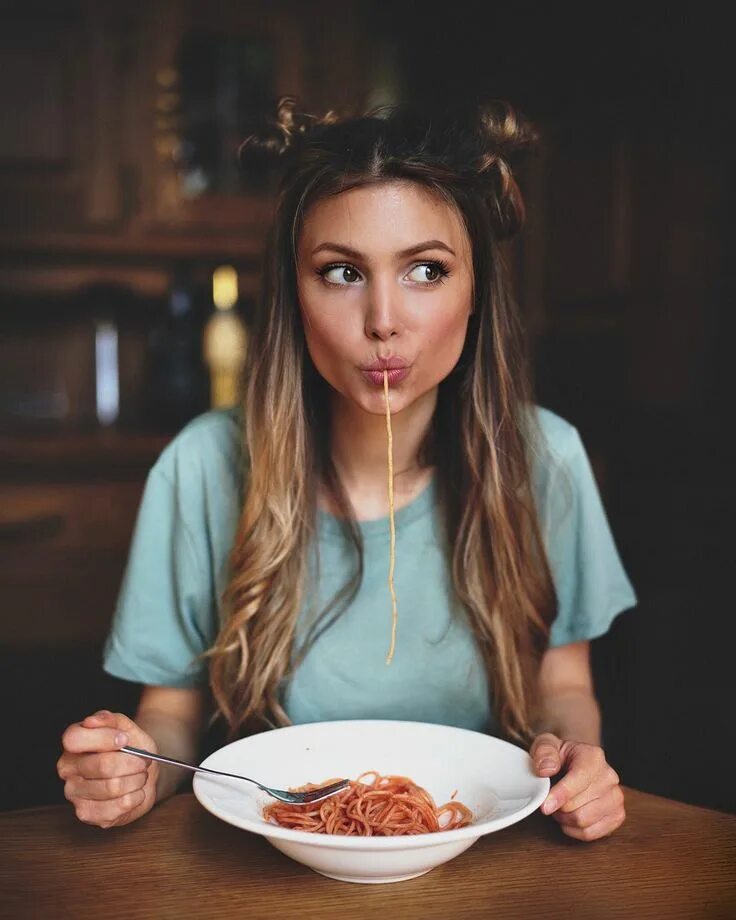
(602, 828)
(603, 783)
(103, 717)
(611, 802)
(547, 760)
(110, 765)
(79, 740)
(107, 813)
(66, 765)
(101, 790)
(584, 765)
(545, 754)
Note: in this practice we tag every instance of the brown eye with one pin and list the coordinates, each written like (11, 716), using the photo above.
(339, 274)
(427, 273)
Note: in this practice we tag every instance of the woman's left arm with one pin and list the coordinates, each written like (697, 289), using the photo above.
(587, 801)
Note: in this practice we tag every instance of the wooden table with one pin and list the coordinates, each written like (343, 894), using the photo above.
(668, 861)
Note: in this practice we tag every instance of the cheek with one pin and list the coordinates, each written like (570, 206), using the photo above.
(445, 336)
(328, 334)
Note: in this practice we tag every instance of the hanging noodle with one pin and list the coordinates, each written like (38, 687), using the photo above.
(394, 613)
(383, 806)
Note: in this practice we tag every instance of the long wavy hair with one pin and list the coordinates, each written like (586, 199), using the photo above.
(480, 440)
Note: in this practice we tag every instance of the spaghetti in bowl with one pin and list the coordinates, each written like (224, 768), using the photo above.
(492, 778)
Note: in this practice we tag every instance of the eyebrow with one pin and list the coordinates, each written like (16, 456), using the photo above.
(411, 251)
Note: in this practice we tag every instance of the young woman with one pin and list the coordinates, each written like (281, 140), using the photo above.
(257, 578)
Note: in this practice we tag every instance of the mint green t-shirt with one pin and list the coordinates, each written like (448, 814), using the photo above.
(169, 606)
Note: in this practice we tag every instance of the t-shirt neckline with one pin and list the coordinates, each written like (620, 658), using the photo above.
(379, 527)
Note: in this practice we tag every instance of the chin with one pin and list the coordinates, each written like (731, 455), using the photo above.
(373, 402)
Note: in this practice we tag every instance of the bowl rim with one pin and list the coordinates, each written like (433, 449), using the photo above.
(342, 842)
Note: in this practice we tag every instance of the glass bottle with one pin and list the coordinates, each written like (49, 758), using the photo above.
(224, 344)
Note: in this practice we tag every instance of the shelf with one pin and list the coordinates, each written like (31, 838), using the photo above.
(132, 249)
(68, 455)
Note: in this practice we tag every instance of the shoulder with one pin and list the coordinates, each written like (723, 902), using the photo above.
(206, 455)
(553, 444)
(211, 438)
(558, 462)
(215, 431)
(554, 434)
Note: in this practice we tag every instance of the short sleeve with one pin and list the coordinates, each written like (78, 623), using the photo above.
(163, 616)
(591, 584)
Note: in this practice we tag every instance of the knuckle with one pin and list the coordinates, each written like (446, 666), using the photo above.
(84, 812)
(130, 801)
(94, 766)
(115, 787)
(613, 776)
(107, 766)
(86, 766)
(118, 808)
(69, 792)
(68, 736)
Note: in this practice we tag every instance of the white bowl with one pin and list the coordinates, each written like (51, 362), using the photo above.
(492, 777)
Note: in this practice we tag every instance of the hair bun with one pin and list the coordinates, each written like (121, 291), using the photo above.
(504, 134)
(504, 130)
(281, 132)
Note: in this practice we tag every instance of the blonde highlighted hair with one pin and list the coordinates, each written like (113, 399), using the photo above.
(480, 439)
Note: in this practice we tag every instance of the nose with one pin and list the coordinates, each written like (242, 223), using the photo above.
(382, 318)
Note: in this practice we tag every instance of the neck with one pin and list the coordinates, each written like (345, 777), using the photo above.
(359, 445)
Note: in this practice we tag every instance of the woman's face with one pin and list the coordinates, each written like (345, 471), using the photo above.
(384, 271)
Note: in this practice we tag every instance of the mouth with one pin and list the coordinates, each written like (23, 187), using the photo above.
(395, 375)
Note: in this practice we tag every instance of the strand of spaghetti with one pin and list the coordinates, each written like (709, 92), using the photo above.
(394, 613)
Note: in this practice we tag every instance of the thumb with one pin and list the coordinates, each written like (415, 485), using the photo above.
(545, 754)
(122, 724)
(106, 719)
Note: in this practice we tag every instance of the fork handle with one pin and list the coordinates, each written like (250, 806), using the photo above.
(139, 752)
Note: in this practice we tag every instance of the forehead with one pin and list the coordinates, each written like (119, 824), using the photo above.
(383, 218)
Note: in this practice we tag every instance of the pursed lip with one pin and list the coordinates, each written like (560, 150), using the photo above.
(386, 364)
(393, 375)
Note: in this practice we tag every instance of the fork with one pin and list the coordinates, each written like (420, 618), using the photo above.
(283, 795)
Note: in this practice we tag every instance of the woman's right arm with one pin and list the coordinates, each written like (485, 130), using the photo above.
(174, 718)
(109, 788)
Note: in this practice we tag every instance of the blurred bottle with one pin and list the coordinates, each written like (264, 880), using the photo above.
(224, 339)
(107, 372)
(177, 376)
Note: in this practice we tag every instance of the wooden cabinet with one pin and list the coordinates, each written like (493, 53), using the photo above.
(123, 120)
(205, 75)
(60, 95)
(67, 511)
(64, 548)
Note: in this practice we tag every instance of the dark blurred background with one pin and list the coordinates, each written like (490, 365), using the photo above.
(119, 196)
